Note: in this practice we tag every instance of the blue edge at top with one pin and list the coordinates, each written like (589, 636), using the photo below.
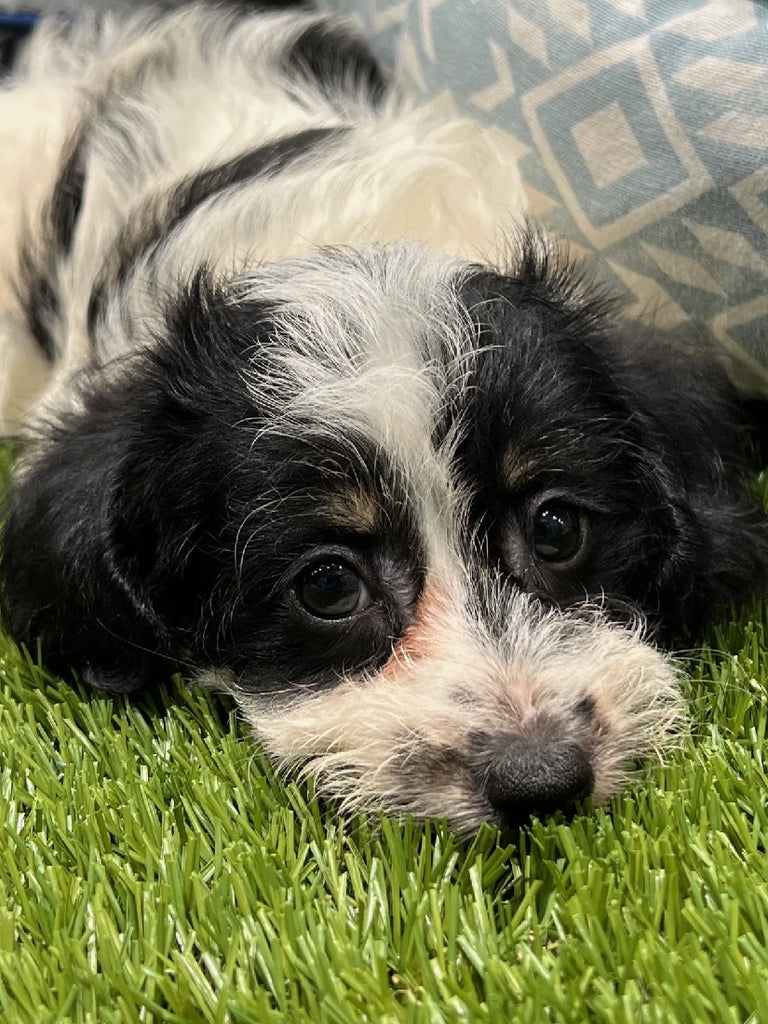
(14, 26)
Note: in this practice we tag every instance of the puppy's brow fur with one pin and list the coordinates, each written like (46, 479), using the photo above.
(516, 468)
(311, 413)
(355, 510)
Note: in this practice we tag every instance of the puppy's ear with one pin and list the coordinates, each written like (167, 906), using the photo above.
(65, 579)
(113, 545)
(704, 450)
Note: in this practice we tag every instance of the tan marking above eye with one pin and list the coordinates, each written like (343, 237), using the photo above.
(516, 468)
(353, 509)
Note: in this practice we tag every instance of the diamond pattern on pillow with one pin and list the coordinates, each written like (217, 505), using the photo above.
(643, 133)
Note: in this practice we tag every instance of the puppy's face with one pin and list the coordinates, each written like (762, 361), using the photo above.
(410, 513)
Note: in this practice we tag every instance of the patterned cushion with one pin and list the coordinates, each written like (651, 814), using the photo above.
(642, 131)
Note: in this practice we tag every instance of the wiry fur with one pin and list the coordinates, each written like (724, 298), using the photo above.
(225, 416)
(423, 734)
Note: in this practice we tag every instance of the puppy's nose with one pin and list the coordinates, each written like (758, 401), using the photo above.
(535, 778)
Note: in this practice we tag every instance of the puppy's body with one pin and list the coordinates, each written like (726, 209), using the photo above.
(409, 509)
(213, 137)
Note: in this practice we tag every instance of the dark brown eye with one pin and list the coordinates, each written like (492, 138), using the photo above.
(558, 532)
(331, 590)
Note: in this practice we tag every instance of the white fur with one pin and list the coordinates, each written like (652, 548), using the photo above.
(207, 91)
(405, 739)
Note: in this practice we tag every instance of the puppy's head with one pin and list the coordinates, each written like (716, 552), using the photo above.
(418, 516)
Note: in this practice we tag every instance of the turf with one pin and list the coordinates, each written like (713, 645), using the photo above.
(152, 868)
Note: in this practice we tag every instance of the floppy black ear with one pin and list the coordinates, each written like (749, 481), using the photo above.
(113, 539)
(106, 546)
(64, 580)
(704, 450)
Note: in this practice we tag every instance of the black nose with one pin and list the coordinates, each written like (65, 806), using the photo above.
(535, 778)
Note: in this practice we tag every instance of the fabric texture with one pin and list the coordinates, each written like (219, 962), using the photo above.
(642, 133)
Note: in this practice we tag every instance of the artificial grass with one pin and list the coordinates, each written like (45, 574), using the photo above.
(153, 869)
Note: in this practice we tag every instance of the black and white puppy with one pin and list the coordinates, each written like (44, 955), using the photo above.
(419, 513)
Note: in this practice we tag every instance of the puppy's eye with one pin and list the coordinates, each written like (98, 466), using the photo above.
(332, 590)
(558, 532)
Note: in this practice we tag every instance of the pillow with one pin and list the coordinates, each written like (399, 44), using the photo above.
(642, 132)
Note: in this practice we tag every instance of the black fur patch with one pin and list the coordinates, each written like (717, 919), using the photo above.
(141, 539)
(38, 273)
(67, 195)
(644, 442)
(264, 161)
(339, 63)
(38, 301)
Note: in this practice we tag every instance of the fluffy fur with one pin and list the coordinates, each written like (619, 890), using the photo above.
(421, 508)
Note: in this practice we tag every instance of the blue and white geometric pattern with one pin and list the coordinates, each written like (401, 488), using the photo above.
(642, 129)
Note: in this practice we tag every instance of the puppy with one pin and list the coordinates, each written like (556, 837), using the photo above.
(296, 425)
